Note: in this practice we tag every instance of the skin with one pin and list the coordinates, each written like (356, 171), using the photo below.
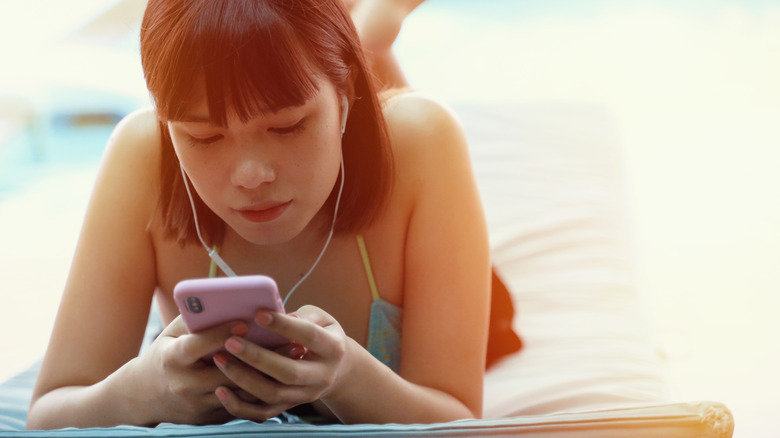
(428, 249)
(378, 23)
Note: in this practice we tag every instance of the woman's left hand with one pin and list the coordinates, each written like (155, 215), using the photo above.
(270, 383)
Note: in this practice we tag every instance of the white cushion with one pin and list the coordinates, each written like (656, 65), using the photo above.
(551, 180)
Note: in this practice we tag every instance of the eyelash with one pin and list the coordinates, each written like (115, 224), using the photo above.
(298, 127)
(205, 141)
(288, 130)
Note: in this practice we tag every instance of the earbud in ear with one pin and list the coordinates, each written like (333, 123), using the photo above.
(344, 112)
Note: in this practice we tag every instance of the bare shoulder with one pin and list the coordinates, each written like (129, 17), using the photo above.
(134, 145)
(425, 133)
(412, 114)
(138, 131)
(131, 162)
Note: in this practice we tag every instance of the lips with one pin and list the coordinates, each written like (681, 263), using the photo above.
(265, 212)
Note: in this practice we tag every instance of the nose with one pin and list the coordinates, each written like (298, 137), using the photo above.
(252, 172)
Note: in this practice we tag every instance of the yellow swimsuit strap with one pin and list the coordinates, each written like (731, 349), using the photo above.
(367, 265)
(363, 255)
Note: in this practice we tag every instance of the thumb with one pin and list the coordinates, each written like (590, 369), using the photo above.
(175, 329)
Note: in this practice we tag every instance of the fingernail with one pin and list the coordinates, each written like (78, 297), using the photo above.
(263, 318)
(297, 352)
(294, 315)
(221, 394)
(240, 329)
(220, 360)
(234, 345)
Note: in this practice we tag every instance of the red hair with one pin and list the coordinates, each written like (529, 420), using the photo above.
(258, 56)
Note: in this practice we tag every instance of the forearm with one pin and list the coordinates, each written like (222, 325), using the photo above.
(388, 71)
(378, 23)
(375, 394)
(107, 403)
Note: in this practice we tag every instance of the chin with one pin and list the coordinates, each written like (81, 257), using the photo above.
(269, 235)
(290, 225)
(276, 232)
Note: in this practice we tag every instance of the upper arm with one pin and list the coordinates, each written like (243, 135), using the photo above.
(447, 259)
(103, 311)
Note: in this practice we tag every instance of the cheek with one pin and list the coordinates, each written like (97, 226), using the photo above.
(183, 152)
(200, 171)
(323, 164)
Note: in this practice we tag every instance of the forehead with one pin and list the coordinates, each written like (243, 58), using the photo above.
(254, 56)
(200, 110)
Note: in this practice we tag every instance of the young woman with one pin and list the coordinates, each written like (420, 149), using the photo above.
(264, 112)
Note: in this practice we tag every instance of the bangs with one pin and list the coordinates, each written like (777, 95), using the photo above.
(251, 57)
(247, 60)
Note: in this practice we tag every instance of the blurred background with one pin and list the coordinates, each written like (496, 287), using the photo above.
(693, 86)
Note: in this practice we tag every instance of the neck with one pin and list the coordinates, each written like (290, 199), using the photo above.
(286, 262)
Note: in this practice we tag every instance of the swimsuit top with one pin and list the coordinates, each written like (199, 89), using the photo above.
(384, 324)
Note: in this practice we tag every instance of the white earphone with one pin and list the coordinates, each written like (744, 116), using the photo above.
(221, 262)
(344, 112)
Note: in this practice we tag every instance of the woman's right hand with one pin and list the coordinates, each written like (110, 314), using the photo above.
(178, 386)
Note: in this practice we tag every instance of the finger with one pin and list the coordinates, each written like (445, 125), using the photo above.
(192, 347)
(208, 401)
(258, 412)
(175, 329)
(292, 350)
(198, 381)
(245, 396)
(311, 329)
(248, 370)
(269, 376)
(210, 376)
(315, 315)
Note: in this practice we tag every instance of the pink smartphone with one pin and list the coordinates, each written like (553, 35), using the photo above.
(208, 302)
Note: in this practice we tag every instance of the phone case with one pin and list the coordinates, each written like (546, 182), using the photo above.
(208, 302)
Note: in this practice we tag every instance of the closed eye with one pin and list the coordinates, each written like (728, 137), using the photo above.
(292, 129)
(206, 140)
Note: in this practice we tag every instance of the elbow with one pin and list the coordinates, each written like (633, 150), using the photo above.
(33, 421)
(36, 412)
(39, 418)
(42, 413)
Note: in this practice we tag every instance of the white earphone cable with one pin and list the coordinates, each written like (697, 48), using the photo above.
(212, 252)
(224, 266)
(327, 242)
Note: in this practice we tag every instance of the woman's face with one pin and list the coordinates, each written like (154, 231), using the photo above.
(269, 177)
